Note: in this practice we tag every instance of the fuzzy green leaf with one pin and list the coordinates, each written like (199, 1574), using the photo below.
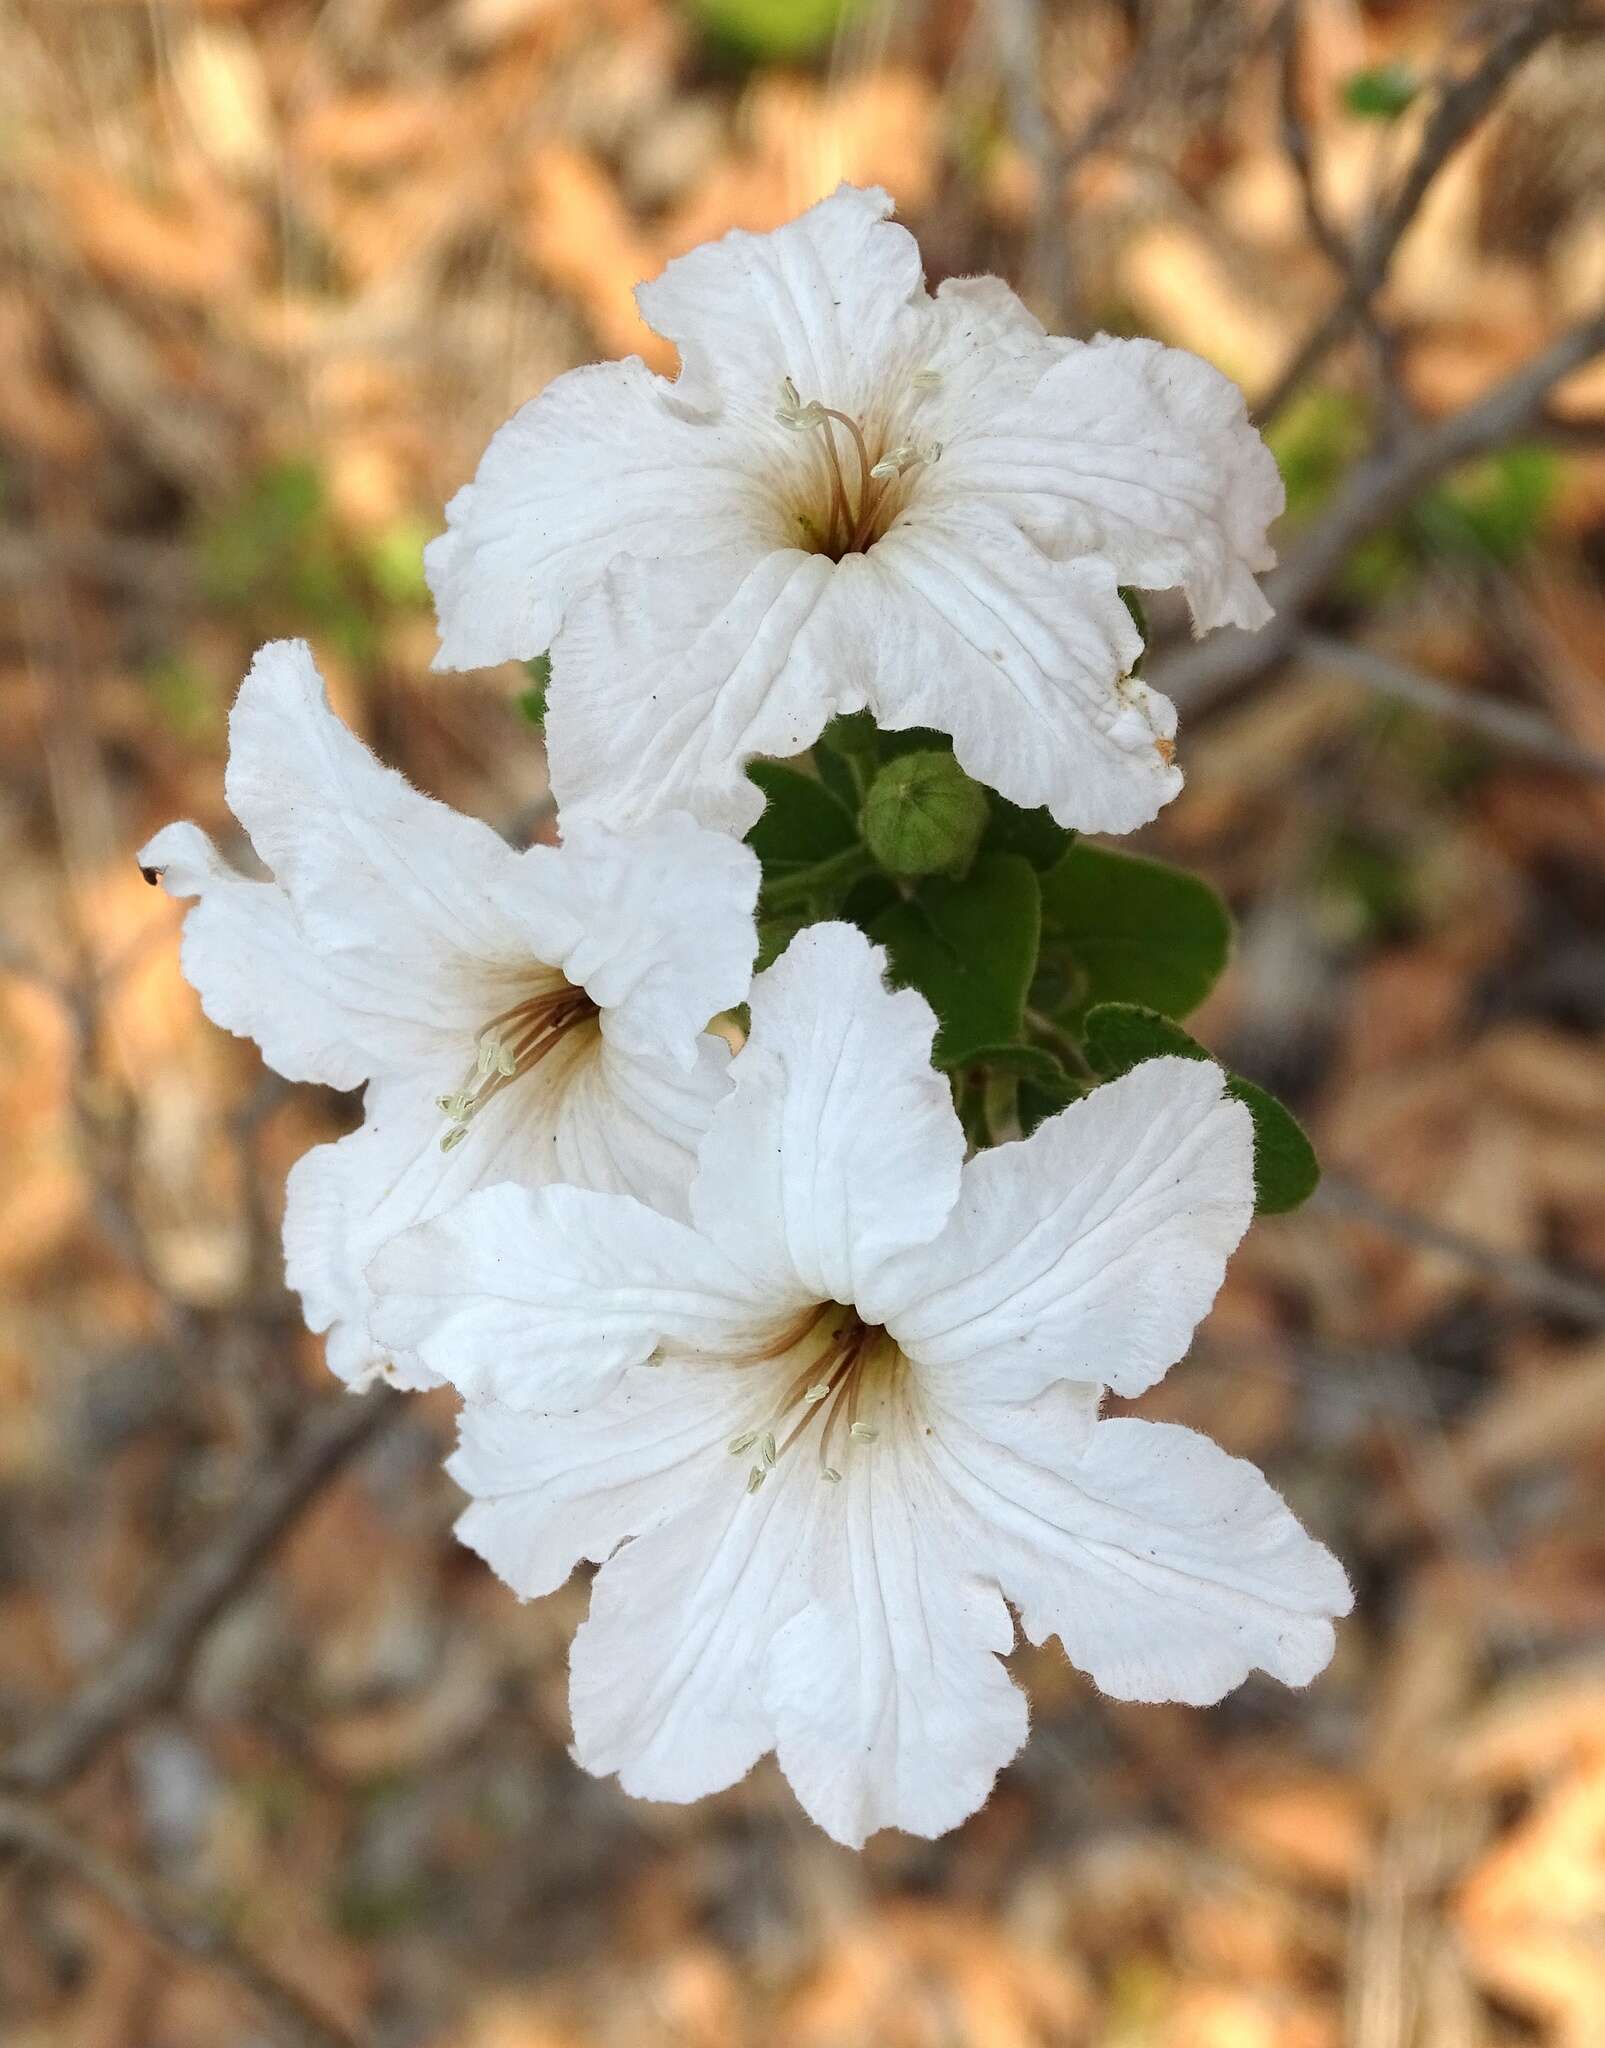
(1136, 930)
(970, 948)
(1119, 1036)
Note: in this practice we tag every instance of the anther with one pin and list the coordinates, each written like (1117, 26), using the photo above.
(818, 1392)
(744, 1442)
(766, 1451)
(864, 1433)
(454, 1137)
(896, 460)
(756, 1478)
(830, 1473)
(926, 380)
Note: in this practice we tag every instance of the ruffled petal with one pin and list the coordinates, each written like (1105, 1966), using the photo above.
(550, 1490)
(667, 933)
(890, 1707)
(248, 960)
(1088, 1251)
(1167, 1569)
(672, 675)
(837, 1146)
(607, 458)
(588, 1117)
(1142, 455)
(667, 1673)
(834, 300)
(956, 620)
(410, 893)
(542, 1299)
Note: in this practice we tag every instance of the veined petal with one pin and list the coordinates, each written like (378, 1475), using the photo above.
(588, 1116)
(1167, 1569)
(1088, 1251)
(403, 887)
(549, 1490)
(607, 458)
(890, 1707)
(248, 960)
(957, 620)
(667, 1673)
(671, 675)
(667, 933)
(837, 1146)
(1142, 455)
(832, 300)
(541, 1299)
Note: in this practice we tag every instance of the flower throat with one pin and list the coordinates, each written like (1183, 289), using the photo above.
(859, 492)
(510, 1045)
(828, 1391)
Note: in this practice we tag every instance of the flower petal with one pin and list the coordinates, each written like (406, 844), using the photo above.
(542, 1299)
(890, 1706)
(1143, 455)
(832, 299)
(549, 1490)
(588, 1116)
(403, 886)
(1089, 1250)
(957, 620)
(248, 960)
(666, 1674)
(667, 932)
(1168, 1569)
(671, 675)
(608, 457)
(837, 1147)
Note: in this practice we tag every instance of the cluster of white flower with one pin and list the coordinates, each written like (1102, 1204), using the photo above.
(818, 1395)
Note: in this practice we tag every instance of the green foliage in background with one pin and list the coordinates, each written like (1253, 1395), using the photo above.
(770, 31)
(1381, 92)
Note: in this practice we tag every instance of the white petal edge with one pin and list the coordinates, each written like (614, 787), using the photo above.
(246, 957)
(837, 1146)
(1168, 1570)
(541, 1299)
(667, 929)
(1088, 1251)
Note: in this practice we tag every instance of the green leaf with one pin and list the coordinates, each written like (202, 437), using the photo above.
(924, 816)
(1381, 92)
(802, 823)
(1120, 1036)
(771, 31)
(853, 733)
(1136, 930)
(532, 702)
(1031, 834)
(1032, 1063)
(970, 948)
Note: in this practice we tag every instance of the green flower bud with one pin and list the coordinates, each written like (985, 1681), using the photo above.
(924, 816)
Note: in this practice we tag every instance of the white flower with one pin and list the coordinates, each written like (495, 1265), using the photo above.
(528, 1017)
(853, 1409)
(855, 494)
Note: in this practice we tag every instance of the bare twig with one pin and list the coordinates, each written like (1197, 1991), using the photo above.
(1534, 1280)
(1287, 38)
(1510, 725)
(1017, 25)
(176, 1924)
(1460, 108)
(151, 1664)
(1374, 492)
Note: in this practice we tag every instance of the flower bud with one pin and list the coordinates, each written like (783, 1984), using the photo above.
(924, 816)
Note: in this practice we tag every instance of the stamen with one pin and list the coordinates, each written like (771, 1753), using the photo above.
(923, 380)
(756, 1478)
(864, 1433)
(510, 1045)
(830, 1386)
(744, 1442)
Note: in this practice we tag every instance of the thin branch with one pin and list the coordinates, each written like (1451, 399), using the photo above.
(1374, 492)
(1451, 123)
(174, 1923)
(151, 1665)
(1288, 42)
(1510, 725)
(1577, 1297)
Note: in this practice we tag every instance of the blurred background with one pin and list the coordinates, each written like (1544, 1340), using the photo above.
(284, 1765)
